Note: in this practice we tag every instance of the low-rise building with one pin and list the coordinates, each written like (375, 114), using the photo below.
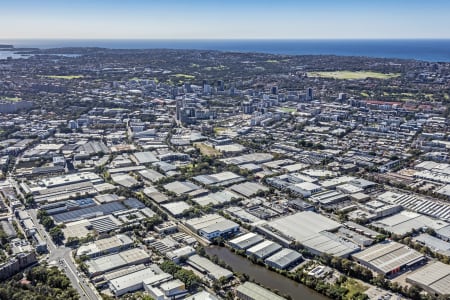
(113, 244)
(212, 226)
(433, 278)
(263, 249)
(389, 258)
(252, 291)
(245, 241)
(207, 267)
(284, 259)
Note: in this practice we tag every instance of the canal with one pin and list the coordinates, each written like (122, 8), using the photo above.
(263, 276)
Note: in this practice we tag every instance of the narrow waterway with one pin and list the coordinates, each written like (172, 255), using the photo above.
(264, 276)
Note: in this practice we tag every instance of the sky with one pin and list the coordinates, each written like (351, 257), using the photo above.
(224, 19)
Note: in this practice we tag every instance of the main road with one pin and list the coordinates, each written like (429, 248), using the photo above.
(63, 256)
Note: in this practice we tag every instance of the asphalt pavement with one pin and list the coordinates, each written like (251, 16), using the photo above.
(63, 256)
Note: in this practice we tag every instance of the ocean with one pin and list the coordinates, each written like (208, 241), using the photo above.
(421, 49)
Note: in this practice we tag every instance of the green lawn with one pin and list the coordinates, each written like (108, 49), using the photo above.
(446, 96)
(349, 75)
(364, 94)
(67, 77)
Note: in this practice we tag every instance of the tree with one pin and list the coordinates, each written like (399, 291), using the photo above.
(56, 234)
(169, 267)
(47, 222)
(72, 241)
(189, 278)
(45, 283)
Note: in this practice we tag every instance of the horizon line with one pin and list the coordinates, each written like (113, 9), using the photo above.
(225, 39)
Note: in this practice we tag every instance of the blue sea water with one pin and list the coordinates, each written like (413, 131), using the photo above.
(421, 49)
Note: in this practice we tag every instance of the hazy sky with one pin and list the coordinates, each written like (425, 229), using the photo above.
(168, 19)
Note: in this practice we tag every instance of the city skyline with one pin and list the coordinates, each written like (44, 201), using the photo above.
(201, 19)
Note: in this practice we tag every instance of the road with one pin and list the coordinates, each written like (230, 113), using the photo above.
(63, 256)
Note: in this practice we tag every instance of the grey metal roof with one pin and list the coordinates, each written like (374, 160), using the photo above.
(284, 258)
(89, 212)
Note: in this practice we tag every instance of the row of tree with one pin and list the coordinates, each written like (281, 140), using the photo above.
(55, 231)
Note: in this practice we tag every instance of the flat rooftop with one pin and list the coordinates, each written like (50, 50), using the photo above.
(435, 276)
(303, 225)
(389, 256)
(254, 291)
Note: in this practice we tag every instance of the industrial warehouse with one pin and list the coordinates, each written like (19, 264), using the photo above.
(212, 226)
(313, 231)
(252, 291)
(245, 241)
(389, 258)
(433, 278)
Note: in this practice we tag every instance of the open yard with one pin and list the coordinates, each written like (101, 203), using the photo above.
(351, 75)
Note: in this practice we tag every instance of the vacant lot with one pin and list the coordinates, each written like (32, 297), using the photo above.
(354, 287)
(352, 75)
(207, 150)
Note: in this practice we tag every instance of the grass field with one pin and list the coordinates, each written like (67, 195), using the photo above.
(67, 77)
(218, 130)
(184, 76)
(354, 287)
(350, 75)
(217, 68)
(11, 99)
(207, 150)
(288, 109)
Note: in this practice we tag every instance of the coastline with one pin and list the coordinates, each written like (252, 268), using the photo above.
(432, 50)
